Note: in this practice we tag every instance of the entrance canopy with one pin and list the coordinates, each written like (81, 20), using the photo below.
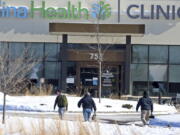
(93, 29)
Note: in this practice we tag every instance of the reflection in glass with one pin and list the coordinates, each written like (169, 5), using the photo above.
(36, 49)
(139, 87)
(158, 72)
(3, 48)
(158, 54)
(36, 72)
(139, 72)
(174, 73)
(16, 50)
(51, 51)
(140, 54)
(52, 70)
(174, 54)
(156, 88)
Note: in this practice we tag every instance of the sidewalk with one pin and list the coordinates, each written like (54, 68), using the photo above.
(120, 118)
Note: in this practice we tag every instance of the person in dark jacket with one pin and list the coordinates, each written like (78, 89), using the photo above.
(88, 105)
(61, 101)
(146, 107)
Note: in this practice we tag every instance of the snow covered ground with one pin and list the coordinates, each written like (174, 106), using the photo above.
(165, 124)
(46, 103)
(41, 126)
(30, 126)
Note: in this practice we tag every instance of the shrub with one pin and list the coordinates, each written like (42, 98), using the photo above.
(46, 89)
(128, 106)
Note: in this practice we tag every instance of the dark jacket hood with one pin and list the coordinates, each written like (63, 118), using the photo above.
(145, 94)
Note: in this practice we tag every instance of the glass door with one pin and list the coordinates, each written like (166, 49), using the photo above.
(111, 80)
(89, 80)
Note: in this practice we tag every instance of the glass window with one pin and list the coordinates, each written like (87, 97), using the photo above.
(36, 50)
(71, 68)
(36, 72)
(174, 54)
(174, 73)
(140, 54)
(3, 48)
(52, 70)
(79, 46)
(95, 46)
(139, 72)
(117, 47)
(174, 87)
(16, 50)
(158, 72)
(157, 87)
(71, 77)
(52, 51)
(53, 83)
(158, 54)
(139, 87)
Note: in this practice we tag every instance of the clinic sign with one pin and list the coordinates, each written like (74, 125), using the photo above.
(100, 10)
(168, 12)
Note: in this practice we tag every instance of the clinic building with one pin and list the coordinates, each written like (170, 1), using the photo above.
(139, 40)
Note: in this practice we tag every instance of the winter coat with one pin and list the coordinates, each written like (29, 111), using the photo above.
(61, 101)
(145, 103)
(87, 102)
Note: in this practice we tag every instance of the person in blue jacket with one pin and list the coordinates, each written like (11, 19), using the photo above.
(146, 107)
(88, 105)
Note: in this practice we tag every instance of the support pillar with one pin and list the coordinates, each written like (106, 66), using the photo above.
(64, 62)
(127, 64)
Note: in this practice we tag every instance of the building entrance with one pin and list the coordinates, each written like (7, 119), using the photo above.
(112, 79)
(83, 70)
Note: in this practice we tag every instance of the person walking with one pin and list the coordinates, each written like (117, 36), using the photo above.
(88, 105)
(62, 102)
(146, 107)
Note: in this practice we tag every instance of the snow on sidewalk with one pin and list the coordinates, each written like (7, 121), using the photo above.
(166, 121)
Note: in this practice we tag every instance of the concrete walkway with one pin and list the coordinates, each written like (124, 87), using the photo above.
(120, 118)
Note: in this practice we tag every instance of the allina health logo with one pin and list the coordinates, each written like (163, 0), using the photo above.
(99, 10)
